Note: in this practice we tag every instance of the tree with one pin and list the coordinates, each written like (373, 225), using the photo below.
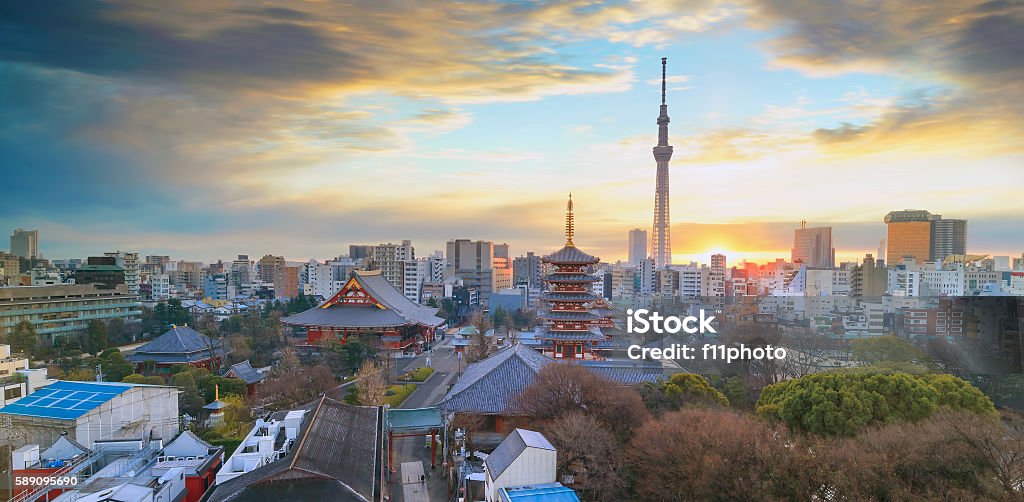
(682, 389)
(118, 333)
(114, 365)
(209, 384)
(292, 389)
(81, 375)
(843, 403)
(371, 384)
(500, 318)
(96, 337)
(886, 348)
(559, 390)
(705, 454)
(23, 339)
(588, 451)
(432, 302)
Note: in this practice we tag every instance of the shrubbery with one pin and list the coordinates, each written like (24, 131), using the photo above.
(845, 402)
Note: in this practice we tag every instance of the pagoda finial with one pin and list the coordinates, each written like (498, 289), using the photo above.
(569, 227)
(216, 392)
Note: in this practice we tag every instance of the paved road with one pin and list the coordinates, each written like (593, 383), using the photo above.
(429, 393)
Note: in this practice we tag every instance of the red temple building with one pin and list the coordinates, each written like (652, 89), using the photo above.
(572, 329)
(368, 304)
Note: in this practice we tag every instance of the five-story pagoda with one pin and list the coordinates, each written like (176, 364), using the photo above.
(571, 330)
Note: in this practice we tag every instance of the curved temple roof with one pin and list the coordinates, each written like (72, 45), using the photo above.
(380, 305)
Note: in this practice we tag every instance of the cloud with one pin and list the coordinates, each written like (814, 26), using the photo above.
(971, 49)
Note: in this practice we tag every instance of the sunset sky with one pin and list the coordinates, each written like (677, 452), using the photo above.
(204, 129)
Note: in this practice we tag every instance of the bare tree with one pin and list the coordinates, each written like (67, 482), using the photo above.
(1001, 445)
(588, 452)
(372, 384)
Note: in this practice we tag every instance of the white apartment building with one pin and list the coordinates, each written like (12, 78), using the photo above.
(389, 259)
(269, 440)
(415, 273)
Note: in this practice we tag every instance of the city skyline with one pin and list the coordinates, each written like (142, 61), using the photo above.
(205, 131)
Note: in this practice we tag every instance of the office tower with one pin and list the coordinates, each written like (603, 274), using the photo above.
(909, 235)
(924, 236)
(661, 242)
(949, 237)
(637, 245)
(527, 270)
(472, 262)
(812, 246)
(130, 263)
(25, 243)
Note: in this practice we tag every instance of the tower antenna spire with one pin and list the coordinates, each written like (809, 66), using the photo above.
(664, 62)
(569, 224)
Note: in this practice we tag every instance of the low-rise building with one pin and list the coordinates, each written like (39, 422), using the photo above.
(64, 310)
(270, 439)
(92, 411)
(523, 458)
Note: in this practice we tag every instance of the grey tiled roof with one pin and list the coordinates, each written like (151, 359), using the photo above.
(178, 344)
(512, 447)
(398, 310)
(628, 372)
(570, 254)
(489, 386)
(245, 372)
(336, 456)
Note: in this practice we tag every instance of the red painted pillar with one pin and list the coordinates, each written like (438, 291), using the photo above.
(433, 450)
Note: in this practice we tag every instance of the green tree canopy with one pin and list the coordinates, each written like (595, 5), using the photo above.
(680, 390)
(886, 349)
(843, 403)
(23, 339)
(96, 337)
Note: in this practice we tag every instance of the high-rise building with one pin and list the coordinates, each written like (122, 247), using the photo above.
(527, 271)
(471, 261)
(268, 265)
(924, 236)
(868, 280)
(637, 246)
(813, 246)
(949, 237)
(359, 251)
(909, 234)
(718, 264)
(390, 260)
(25, 243)
(661, 241)
(241, 271)
(11, 267)
(130, 263)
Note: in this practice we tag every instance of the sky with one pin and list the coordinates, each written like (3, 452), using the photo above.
(202, 129)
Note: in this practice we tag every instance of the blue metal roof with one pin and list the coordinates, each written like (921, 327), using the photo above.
(65, 400)
(544, 492)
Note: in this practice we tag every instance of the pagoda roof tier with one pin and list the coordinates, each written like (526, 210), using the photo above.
(570, 255)
(556, 278)
(571, 336)
(367, 301)
(558, 296)
(555, 315)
